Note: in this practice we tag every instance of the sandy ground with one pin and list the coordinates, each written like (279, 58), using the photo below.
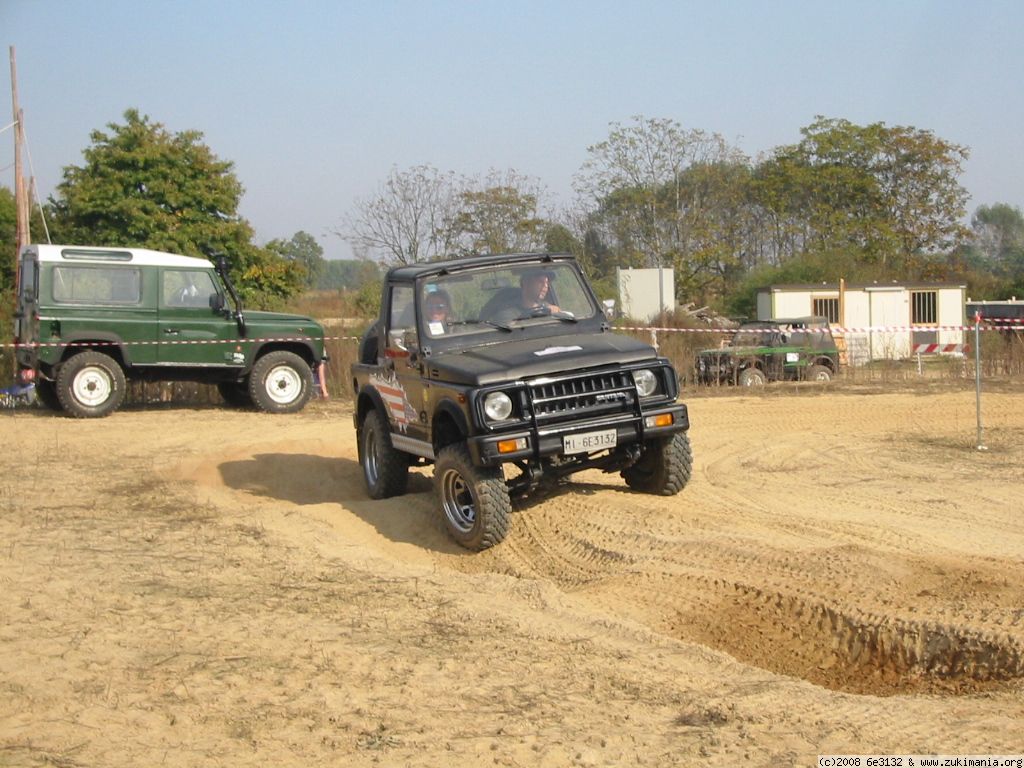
(843, 574)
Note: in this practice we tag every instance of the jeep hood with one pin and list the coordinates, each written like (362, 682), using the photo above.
(525, 358)
(729, 350)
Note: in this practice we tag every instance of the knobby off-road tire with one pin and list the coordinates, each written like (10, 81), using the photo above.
(90, 385)
(665, 467)
(280, 382)
(46, 394)
(752, 377)
(235, 393)
(818, 373)
(385, 470)
(474, 501)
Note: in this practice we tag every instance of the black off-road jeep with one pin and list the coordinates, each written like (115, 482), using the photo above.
(772, 350)
(503, 391)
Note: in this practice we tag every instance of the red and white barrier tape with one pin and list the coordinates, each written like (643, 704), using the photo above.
(833, 329)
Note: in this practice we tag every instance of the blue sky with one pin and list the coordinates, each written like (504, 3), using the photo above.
(316, 102)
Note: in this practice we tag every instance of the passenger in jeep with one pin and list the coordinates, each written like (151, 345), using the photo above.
(437, 305)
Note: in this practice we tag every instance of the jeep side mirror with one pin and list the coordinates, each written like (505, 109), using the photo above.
(411, 342)
(608, 305)
(216, 302)
(396, 338)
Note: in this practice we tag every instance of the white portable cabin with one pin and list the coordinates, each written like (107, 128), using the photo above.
(879, 321)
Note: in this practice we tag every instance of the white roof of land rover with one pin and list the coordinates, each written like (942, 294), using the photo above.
(70, 254)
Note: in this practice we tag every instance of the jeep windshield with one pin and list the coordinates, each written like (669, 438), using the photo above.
(533, 299)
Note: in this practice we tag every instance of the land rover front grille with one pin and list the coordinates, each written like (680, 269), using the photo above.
(583, 396)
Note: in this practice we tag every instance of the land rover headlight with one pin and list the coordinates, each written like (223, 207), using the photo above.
(497, 406)
(646, 382)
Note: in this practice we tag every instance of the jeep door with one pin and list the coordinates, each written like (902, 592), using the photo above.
(26, 330)
(401, 386)
(192, 332)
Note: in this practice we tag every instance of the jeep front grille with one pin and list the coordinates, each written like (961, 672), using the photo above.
(583, 396)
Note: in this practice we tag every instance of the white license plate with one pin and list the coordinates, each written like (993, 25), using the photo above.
(589, 441)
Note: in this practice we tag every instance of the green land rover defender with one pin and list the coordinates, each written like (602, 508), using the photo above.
(88, 319)
(797, 349)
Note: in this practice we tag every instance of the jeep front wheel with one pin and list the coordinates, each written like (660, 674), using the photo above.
(280, 382)
(665, 467)
(385, 470)
(752, 377)
(90, 385)
(474, 500)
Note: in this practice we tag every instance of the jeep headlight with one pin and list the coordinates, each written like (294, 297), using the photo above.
(646, 382)
(497, 406)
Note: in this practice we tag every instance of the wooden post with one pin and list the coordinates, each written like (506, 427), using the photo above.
(20, 192)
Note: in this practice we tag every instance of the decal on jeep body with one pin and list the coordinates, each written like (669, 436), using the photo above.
(400, 410)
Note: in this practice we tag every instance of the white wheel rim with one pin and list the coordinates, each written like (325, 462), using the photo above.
(92, 386)
(283, 384)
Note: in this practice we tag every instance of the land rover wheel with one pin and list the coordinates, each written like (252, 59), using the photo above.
(819, 373)
(385, 470)
(664, 468)
(752, 377)
(475, 505)
(235, 393)
(280, 382)
(90, 385)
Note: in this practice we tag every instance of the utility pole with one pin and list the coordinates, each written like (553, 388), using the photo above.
(20, 191)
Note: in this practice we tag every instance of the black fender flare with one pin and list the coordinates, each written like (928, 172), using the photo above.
(448, 408)
(369, 399)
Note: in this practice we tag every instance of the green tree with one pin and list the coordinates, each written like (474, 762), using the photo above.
(302, 249)
(8, 239)
(408, 219)
(349, 274)
(887, 196)
(143, 186)
(499, 215)
(998, 235)
(667, 196)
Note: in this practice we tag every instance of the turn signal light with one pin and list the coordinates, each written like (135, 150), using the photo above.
(510, 446)
(661, 420)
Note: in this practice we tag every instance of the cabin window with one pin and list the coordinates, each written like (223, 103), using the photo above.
(923, 307)
(827, 308)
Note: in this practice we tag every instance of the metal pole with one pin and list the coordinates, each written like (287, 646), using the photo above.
(977, 378)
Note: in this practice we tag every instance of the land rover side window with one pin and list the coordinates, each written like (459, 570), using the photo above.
(97, 285)
(186, 288)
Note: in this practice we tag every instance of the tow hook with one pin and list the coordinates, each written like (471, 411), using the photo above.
(633, 453)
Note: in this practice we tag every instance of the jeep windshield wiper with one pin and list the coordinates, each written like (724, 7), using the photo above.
(501, 326)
